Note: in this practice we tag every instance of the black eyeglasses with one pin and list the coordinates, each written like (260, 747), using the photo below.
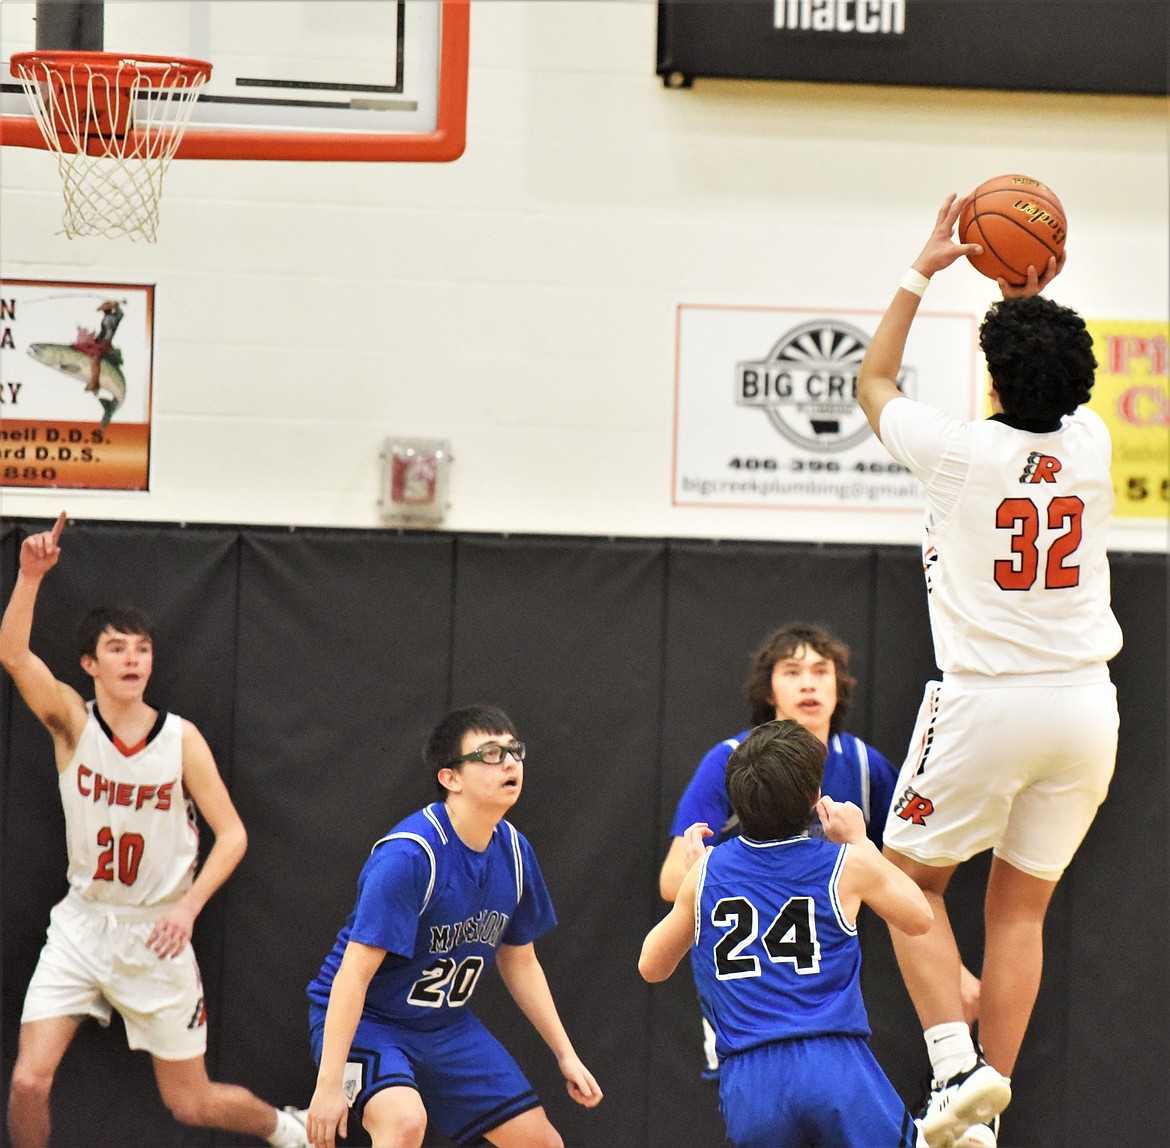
(490, 753)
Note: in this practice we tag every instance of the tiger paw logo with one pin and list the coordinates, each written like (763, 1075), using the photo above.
(1041, 468)
(912, 806)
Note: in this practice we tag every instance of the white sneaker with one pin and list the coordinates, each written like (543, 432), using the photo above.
(980, 1135)
(971, 1097)
(290, 1128)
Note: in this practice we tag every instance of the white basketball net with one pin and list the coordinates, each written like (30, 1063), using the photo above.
(112, 179)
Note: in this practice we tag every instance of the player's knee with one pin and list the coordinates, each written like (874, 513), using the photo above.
(189, 1107)
(406, 1125)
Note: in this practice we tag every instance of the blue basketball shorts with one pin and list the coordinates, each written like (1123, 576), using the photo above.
(468, 1081)
(822, 1091)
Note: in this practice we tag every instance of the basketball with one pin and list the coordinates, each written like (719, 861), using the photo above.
(1018, 221)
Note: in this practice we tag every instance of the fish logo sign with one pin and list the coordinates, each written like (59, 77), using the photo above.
(92, 358)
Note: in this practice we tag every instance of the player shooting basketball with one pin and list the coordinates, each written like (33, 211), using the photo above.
(1015, 747)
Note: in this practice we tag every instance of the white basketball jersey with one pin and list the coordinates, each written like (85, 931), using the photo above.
(129, 827)
(1017, 570)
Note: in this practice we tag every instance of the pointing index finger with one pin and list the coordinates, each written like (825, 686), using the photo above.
(58, 527)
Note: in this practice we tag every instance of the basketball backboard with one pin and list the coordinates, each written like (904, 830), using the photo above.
(296, 80)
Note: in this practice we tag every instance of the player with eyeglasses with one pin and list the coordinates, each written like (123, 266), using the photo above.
(447, 892)
(492, 753)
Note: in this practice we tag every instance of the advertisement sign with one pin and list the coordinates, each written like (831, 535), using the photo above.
(1132, 395)
(75, 384)
(766, 411)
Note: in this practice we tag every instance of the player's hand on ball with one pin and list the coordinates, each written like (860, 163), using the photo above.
(844, 823)
(941, 250)
(1035, 283)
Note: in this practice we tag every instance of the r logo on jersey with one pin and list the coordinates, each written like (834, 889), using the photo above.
(1041, 468)
(913, 807)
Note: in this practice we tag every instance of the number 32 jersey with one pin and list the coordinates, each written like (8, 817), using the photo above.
(775, 956)
(439, 909)
(1017, 570)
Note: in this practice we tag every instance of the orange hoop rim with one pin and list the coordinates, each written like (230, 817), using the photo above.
(155, 71)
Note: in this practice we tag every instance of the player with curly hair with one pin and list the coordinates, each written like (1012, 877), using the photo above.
(1015, 747)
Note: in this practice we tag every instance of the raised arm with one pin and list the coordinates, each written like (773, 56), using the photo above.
(886, 889)
(525, 980)
(201, 780)
(877, 378)
(674, 869)
(684, 852)
(867, 875)
(57, 706)
(703, 802)
(671, 939)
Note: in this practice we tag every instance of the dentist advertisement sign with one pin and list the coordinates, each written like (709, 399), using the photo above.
(75, 384)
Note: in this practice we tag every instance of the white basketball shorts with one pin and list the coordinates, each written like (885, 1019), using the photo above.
(95, 960)
(1016, 763)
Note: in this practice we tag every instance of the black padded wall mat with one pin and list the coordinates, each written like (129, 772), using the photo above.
(316, 661)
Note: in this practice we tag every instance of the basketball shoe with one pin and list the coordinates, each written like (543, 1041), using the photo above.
(971, 1097)
(980, 1135)
(290, 1128)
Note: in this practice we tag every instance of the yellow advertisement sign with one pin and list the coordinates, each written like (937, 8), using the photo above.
(1132, 395)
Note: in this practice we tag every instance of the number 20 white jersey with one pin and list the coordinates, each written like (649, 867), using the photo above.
(130, 829)
(1015, 550)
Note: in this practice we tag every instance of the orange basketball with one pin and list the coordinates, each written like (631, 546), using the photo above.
(1018, 222)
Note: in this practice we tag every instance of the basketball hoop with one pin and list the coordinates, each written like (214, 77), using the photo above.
(114, 123)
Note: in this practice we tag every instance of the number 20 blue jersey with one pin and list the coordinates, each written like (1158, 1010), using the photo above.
(439, 909)
(774, 956)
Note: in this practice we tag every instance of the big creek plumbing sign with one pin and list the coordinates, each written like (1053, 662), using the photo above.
(766, 412)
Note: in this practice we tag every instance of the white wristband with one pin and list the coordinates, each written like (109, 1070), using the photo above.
(915, 282)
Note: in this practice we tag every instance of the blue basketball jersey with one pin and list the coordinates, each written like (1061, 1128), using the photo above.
(439, 909)
(774, 955)
(854, 772)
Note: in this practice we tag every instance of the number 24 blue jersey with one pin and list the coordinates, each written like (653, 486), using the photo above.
(774, 956)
